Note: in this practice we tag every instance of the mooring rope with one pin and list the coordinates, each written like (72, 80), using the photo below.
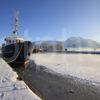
(9, 61)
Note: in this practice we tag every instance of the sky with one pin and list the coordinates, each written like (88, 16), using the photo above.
(51, 19)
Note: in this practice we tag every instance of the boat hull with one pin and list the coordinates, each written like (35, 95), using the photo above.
(17, 53)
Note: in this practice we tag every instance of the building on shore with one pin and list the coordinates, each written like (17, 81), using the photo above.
(46, 46)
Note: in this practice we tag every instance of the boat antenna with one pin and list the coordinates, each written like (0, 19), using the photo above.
(16, 22)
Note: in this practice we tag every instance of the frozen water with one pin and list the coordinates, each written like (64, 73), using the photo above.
(84, 66)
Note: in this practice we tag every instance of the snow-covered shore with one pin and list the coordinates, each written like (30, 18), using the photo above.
(12, 89)
(85, 66)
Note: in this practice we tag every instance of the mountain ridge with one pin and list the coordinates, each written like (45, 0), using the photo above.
(73, 42)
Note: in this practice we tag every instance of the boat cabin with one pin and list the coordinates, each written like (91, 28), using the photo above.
(14, 38)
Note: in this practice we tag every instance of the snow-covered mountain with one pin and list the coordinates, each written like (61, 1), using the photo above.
(73, 42)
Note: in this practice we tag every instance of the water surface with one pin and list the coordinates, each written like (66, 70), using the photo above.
(84, 66)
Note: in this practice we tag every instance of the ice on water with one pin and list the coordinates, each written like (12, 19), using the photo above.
(84, 66)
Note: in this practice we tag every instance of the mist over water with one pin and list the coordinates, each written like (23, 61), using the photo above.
(85, 66)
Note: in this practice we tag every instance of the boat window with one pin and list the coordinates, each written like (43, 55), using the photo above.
(9, 41)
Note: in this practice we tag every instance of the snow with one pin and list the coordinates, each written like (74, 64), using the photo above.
(85, 66)
(84, 49)
(11, 88)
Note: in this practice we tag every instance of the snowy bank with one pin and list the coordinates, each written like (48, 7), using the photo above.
(12, 89)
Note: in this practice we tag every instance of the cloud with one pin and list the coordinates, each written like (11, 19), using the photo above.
(44, 38)
(62, 35)
(27, 35)
(94, 36)
(1, 38)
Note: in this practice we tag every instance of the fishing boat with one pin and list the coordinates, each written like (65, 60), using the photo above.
(16, 50)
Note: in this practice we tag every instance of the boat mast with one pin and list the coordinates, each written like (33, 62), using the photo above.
(16, 22)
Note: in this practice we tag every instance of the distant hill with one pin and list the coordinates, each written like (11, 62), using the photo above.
(73, 42)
